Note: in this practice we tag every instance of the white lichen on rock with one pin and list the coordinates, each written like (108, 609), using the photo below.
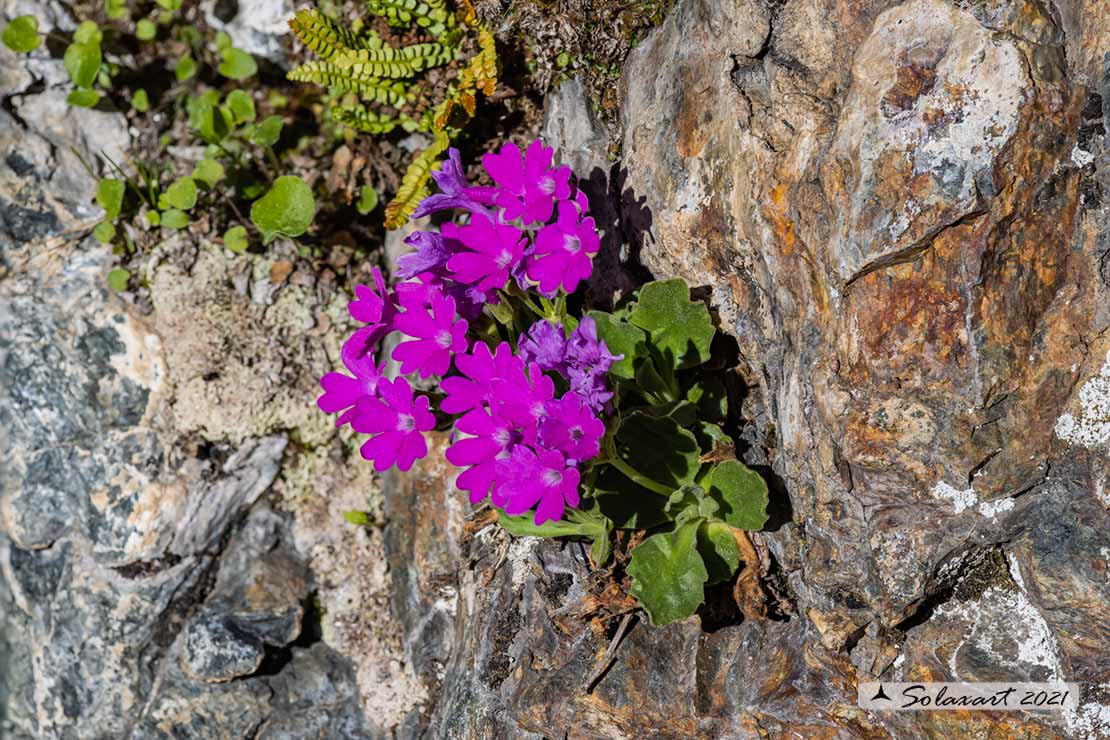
(1090, 427)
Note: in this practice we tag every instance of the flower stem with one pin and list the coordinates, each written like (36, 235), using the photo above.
(637, 477)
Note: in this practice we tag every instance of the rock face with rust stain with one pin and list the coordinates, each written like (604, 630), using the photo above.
(899, 211)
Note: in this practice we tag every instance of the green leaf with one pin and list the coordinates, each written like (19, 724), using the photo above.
(367, 200)
(268, 131)
(186, 68)
(235, 239)
(622, 339)
(711, 398)
(83, 98)
(223, 42)
(668, 575)
(691, 502)
(153, 218)
(182, 194)
(523, 526)
(209, 171)
(22, 34)
(237, 64)
(174, 219)
(358, 518)
(680, 329)
(286, 209)
(629, 505)
(650, 383)
(169, 5)
(742, 493)
(109, 196)
(104, 232)
(117, 279)
(82, 62)
(241, 105)
(145, 30)
(140, 101)
(87, 32)
(658, 448)
(683, 412)
(719, 551)
(207, 119)
(115, 9)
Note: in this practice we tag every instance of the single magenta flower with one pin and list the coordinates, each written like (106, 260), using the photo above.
(397, 422)
(572, 428)
(480, 368)
(491, 252)
(564, 250)
(436, 335)
(492, 439)
(527, 478)
(343, 392)
(527, 185)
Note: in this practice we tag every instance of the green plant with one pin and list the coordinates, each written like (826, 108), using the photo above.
(377, 87)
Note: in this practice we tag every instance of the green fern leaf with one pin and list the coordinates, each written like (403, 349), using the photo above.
(324, 36)
(350, 79)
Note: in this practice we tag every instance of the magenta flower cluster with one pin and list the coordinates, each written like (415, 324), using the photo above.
(519, 442)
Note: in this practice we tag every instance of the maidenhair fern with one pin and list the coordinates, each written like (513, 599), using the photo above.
(377, 87)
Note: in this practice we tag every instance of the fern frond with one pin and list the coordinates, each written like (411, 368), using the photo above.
(428, 14)
(387, 61)
(414, 185)
(325, 37)
(348, 79)
(484, 64)
(371, 122)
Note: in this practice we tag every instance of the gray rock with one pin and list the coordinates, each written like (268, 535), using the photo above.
(258, 27)
(216, 649)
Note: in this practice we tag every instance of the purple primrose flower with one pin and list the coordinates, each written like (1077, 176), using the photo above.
(437, 335)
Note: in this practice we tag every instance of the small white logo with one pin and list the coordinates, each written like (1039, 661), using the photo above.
(933, 696)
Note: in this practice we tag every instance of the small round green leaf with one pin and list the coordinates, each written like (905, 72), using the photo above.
(268, 131)
(145, 30)
(117, 279)
(223, 42)
(237, 64)
(140, 101)
(286, 209)
(153, 218)
(83, 98)
(83, 63)
(182, 194)
(104, 232)
(115, 9)
(367, 200)
(174, 219)
(88, 33)
(109, 196)
(186, 68)
(209, 171)
(241, 105)
(22, 34)
(235, 239)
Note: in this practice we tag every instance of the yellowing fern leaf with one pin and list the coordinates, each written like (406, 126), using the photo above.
(414, 185)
